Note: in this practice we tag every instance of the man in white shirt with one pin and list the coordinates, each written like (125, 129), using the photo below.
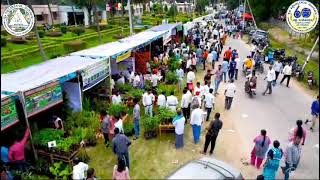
(215, 34)
(237, 60)
(119, 124)
(154, 80)
(196, 121)
(147, 102)
(190, 78)
(185, 104)
(277, 69)
(180, 74)
(271, 76)
(121, 79)
(178, 123)
(136, 80)
(229, 94)
(172, 102)
(162, 100)
(209, 103)
(116, 98)
(78, 169)
(287, 71)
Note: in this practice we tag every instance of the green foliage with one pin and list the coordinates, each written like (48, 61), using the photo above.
(63, 29)
(68, 144)
(85, 118)
(83, 156)
(78, 30)
(117, 109)
(42, 137)
(173, 11)
(73, 46)
(166, 89)
(3, 42)
(201, 6)
(4, 33)
(54, 34)
(29, 176)
(60, 171)
(166, 115)
(171, 78)
(151, 123)
(128, 127)
(122, 88)
(165, 8)
(156, 9)
(147, 85)
(99, 105)
(86, 104)
(137, 93)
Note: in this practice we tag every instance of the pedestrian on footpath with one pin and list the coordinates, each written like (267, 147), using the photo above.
(120, 145)
(278, 67)
(147, 102)
(292, 157)
(209, 102)
(105, 127)
(260, 149)
(314, 113)
(185, 104)
(196, 122)
(270, 78)
(178, 122)
(212, 134)
(217, 80)
(136, 118)
(229, 94)
(287, 71)
(298, 131)
(225, 67)
(272, 163)
(232, 68)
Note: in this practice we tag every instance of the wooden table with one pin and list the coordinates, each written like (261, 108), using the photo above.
(54, 156)
(165, 127)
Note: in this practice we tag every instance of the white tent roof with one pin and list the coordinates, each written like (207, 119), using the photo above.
(118, 47)
(40, 74)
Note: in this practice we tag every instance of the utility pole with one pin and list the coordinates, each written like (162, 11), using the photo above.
(130, 18)
(310, 54)
(244, 11)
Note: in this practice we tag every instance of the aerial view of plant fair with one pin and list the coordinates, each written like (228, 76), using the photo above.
(159, 89)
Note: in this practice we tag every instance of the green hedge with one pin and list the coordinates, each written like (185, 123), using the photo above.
(3, 42)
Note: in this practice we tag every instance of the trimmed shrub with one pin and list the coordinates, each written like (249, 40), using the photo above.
(63, 29)
(74, 46)
(18, 40)
(30, 37)
(41, 34)
(171, 78)
(146, 27)
(3, 42)
(153, 15)
(117, 36)
(78, 30)
(110, 26)
(54, 34)
(4, 33)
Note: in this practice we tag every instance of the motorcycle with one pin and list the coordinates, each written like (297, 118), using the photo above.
(311, 81)
(258, 66)
(249, 87)
(299, 74)
(279, 54)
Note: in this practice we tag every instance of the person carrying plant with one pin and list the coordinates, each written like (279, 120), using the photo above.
(105, 126)
(136, 118)
(178, 122)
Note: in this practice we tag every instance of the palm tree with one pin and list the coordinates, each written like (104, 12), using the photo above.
(43, 55)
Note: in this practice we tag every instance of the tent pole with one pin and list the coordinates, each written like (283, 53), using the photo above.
(27, 123)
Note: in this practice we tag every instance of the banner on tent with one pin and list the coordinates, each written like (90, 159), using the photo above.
(123, 56)
(9, 114)
(42, 98)
(95, 74)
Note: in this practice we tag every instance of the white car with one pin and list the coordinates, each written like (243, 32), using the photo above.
(206, 168)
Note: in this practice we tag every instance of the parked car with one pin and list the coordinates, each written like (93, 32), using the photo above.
(206, 168)
(259, 32)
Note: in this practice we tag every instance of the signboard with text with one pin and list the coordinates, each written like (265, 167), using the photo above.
(95, 74)
(42, 98)
(123, 56)
(9, 114)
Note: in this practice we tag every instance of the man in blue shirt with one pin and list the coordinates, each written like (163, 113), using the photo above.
(214, 57)
(314, 113)
(199, 54)
(232, 68)
(225, 66)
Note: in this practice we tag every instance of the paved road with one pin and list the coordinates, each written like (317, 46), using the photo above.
(277, 113)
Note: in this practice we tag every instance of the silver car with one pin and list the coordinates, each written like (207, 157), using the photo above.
(206, 168)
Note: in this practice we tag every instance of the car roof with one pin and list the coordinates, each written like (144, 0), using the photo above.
(206, 168)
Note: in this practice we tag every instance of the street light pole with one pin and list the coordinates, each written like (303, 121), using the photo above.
(130, 18)
(310, 54)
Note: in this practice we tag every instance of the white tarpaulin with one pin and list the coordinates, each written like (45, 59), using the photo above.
(123, 45)
(40, 74)
(186, 27)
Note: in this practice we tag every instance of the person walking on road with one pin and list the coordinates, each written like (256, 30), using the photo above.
(217, 80)
(298, 131)
(225, 67)
(232, 68)
(314, 113)
(272, 163)
(185, 104)
(270, 78)
(229, 94)
(287, 71)
(260, 149)
(237, 60)
(277, 68)
(178, 123)
(212, 134)
(209, 102)
(190, 78)
(196, 121)
(120, 145)
(292, 157)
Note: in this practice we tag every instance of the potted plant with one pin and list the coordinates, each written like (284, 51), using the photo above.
(151, 125)
(128, 128)
(166, 115)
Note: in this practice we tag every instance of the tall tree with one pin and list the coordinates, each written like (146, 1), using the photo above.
(85, 4)
(97, 20)
(201, 6)
(50, 11)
